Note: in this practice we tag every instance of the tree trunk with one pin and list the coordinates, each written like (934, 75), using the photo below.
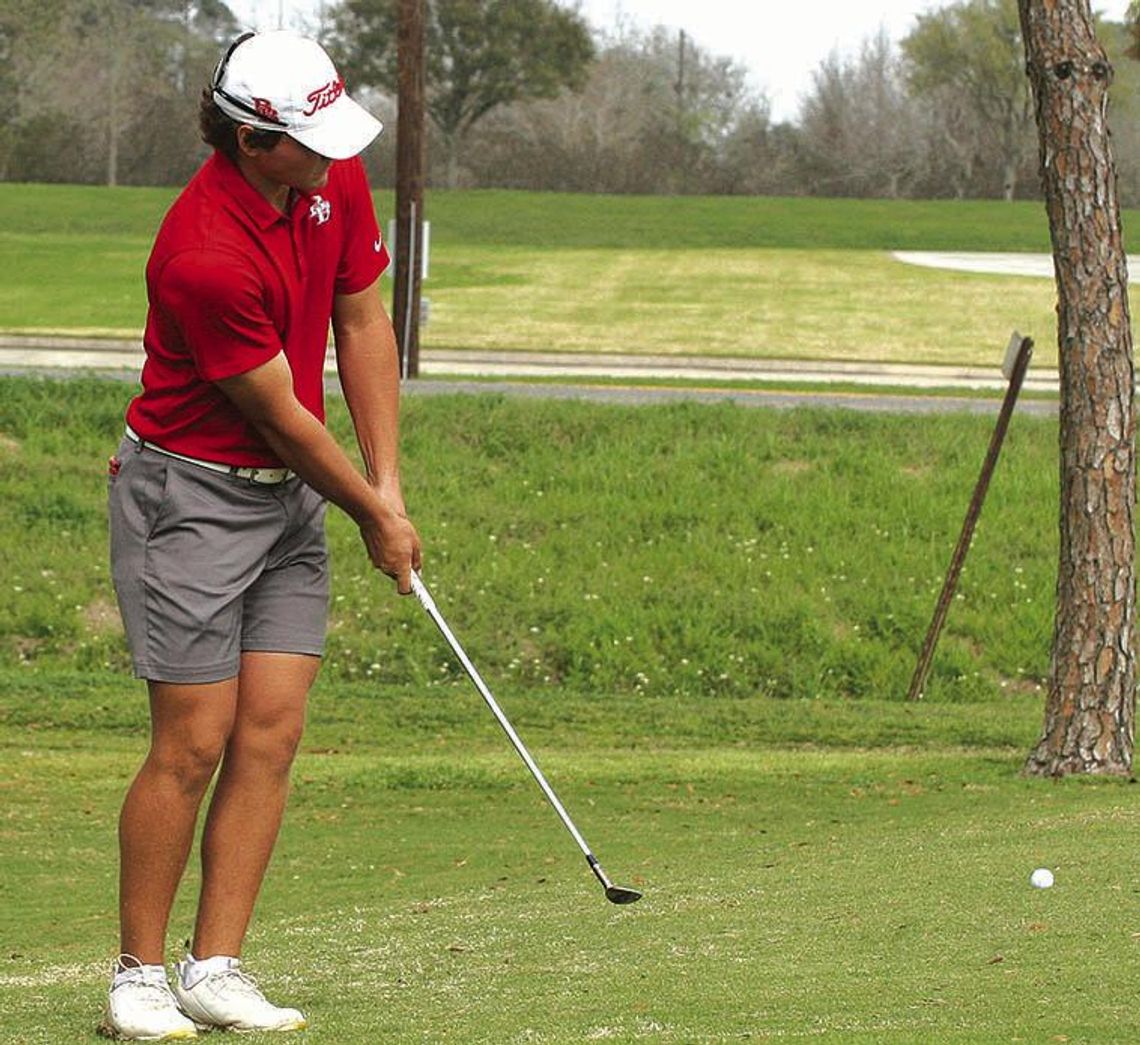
(113, 121)
(112, 150)
(1011, 154)
(113, 37)
(451, 158)
(1090, 707)
(1009, 182)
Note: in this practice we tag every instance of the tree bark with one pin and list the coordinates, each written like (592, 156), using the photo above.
(1090, 706)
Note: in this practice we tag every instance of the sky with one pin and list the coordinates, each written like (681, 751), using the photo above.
(781, 43)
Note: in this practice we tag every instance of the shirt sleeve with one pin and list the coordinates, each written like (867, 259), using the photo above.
(218, 305)
(364, 255)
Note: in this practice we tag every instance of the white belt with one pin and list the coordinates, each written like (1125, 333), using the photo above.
(266, 476)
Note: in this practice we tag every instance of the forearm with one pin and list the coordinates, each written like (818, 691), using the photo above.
(305, 446)
(369, 375)
(265, 397)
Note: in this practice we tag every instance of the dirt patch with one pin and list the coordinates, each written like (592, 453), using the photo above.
(791, 467)
(101, 617)
(27, 647)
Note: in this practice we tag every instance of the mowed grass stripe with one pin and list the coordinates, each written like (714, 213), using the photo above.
(751, 277)
(765, 304)
(760, 304)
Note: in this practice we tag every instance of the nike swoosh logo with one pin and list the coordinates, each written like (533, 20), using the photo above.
(377, 245)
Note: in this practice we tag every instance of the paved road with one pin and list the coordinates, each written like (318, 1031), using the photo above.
(871, 401)
(575, 375)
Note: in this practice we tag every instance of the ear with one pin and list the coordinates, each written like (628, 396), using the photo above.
(242, 133)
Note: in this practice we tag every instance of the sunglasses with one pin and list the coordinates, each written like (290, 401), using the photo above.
(219, 75)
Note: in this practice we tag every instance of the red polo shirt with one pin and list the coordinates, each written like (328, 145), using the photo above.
(230, 283)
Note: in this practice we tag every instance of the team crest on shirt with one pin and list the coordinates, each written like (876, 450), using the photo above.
(320, 209)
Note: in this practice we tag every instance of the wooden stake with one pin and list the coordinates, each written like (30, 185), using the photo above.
(1016, 375)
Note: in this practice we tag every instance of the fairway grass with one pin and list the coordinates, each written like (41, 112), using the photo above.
(756, 304)
(752, 304)
(422, 891)
(757, 278)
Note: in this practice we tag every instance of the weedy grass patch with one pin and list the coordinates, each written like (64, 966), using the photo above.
(659, 550)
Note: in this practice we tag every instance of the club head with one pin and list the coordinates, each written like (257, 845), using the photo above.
(620, 894)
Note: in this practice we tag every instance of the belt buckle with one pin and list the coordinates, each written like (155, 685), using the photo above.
(264, 476)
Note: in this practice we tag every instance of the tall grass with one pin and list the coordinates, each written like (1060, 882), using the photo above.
(638, 551)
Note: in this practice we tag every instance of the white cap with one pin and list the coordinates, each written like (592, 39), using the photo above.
(281, 81)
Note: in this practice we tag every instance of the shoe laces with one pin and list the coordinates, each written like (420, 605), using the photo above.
(149, 984)
(241, 983)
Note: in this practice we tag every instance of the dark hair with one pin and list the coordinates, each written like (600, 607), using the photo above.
(220, 131)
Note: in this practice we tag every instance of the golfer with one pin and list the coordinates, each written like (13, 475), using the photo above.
(217, 496)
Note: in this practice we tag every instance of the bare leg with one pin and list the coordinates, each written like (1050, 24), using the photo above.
(189, 727)
(249, 799)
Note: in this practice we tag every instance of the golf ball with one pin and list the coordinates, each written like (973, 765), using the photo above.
(1042, 878)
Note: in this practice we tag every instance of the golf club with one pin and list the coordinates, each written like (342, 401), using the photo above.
(618, 894)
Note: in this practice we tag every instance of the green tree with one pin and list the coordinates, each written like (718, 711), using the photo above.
(969, 58)
(479, 55)
(1133, 19)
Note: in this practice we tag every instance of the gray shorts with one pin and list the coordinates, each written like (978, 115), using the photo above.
(207, 566)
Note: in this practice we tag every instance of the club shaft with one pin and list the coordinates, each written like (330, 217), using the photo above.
(428, 604)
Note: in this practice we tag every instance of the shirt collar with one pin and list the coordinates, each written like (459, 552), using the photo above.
(232, 182)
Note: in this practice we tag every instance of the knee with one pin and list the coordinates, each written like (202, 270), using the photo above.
(190, 764)
(285, 742)
(272, 744)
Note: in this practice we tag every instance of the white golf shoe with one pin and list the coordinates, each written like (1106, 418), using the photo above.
(140, 1006)
(215, 993)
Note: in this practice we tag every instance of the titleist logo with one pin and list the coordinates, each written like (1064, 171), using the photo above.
(323, 97)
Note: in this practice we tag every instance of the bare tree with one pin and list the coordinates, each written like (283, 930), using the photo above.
(655, 114)
(1090, 708)
(859, 132)
(144, 61)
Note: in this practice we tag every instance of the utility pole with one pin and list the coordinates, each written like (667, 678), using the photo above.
(679, 85)
(409, 184)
